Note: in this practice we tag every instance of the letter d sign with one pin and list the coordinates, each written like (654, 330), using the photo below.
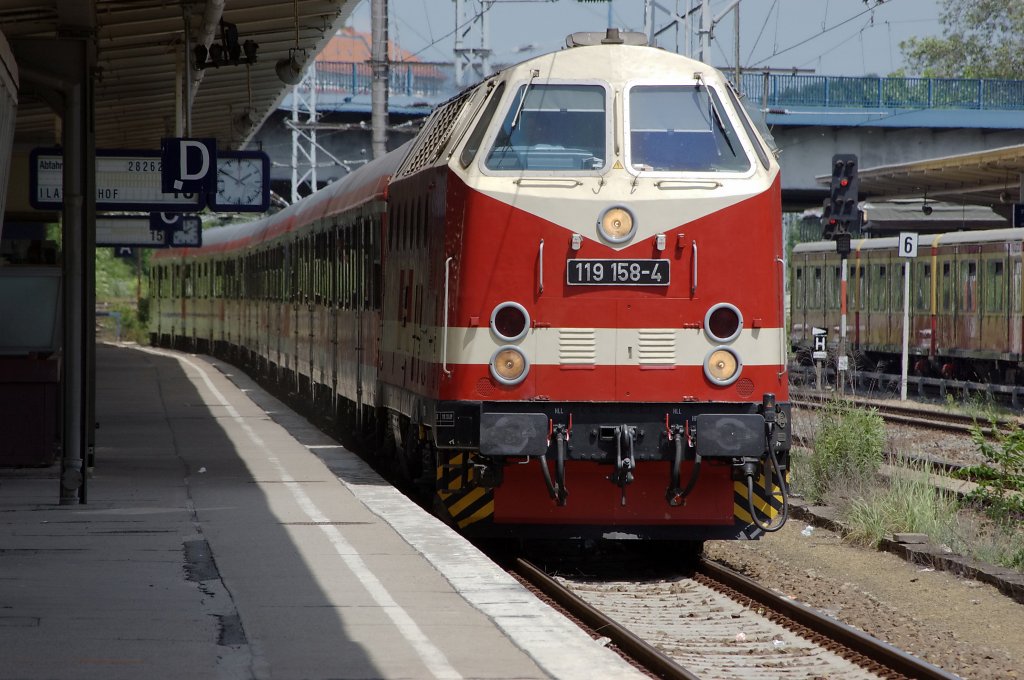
(186, 164)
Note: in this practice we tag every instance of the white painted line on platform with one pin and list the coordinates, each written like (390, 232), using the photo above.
(432, 657)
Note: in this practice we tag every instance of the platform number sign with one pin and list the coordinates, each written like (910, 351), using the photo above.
(908, 244)
(187, 165)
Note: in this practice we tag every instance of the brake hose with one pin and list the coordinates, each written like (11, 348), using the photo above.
(776, 472)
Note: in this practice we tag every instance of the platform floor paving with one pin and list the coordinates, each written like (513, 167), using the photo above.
(225, 537)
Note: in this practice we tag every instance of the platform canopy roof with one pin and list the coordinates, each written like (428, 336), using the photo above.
(991, 177)
(140, 48)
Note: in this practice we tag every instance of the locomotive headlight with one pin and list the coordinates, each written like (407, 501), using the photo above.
(722, 366)
(510, 321)
(509, 366)
(616, 225)
(723, 322)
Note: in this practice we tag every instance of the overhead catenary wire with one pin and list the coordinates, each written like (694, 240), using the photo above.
(825, 29)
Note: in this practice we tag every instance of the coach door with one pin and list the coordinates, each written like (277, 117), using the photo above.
(994, 310)
(969, 325)
(358, 281)
(1016, 281)
(333, 301)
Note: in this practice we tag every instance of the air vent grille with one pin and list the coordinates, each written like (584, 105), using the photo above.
(657, 347)
(577, 346)
(435, 135)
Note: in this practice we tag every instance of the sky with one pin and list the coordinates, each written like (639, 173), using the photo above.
(827, 37)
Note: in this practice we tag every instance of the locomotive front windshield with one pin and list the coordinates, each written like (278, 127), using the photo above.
(553, 127)
(675, 128)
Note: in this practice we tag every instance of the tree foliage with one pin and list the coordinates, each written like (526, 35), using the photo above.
(980, 39)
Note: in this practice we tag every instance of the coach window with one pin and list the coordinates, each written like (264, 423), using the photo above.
(317, 278)
(832, 286)
(343, 240)
(282, 273)
(798, 288)
(553, 127)
(378, 272)
(367, 263)
(1015, 295)
(995, 287)
(896, 296)
(947, 288)
(879, 287)
(330, 271)
(922, 287)
(325, 269)
(969, 280)
(816, 291)
(858, 298)
(295, 267)
(675, 128)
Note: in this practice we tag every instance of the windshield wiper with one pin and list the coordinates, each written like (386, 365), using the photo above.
(718, 118)
(526, 91)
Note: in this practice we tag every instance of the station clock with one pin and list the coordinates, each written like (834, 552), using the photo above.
(242, 183)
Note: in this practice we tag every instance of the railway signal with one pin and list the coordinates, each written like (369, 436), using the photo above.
(839, 216)
(839, 213)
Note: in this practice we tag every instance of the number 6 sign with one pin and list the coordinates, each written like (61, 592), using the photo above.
(908, 244)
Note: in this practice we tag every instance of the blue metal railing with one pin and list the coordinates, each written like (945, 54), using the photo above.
(780, 90)
(405, 78)
(773, 90)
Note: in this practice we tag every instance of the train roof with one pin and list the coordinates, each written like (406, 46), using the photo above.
(924, 240)
(629, 63)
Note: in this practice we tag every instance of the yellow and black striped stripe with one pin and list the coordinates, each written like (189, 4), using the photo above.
(464, 500)
(767, 502)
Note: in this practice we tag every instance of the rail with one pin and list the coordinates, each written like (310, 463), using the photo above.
(874, 655)
(858, 641)
(1015, 393)
(650, 658)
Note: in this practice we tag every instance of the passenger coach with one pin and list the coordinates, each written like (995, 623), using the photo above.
(965, 303)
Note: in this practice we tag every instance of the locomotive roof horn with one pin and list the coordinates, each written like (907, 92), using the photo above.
(611, 36)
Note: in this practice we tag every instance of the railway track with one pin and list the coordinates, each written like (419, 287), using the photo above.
(958, 423)
(716, 623)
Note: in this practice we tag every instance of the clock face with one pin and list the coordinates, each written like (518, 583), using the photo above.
(189, 233)
(241, 183)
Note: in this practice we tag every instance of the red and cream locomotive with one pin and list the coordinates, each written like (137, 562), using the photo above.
(561, 303)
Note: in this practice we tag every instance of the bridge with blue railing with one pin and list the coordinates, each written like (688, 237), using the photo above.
(774, 90)
(435, 82)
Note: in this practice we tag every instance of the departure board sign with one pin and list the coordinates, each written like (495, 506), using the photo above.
(116, 230)
(125, 180)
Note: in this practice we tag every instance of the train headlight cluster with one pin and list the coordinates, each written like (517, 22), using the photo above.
(509, 365)
(616, 225)
(723, 322)
(510, 321)
(722, 366)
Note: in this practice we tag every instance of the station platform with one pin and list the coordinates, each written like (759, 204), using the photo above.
(226, 537)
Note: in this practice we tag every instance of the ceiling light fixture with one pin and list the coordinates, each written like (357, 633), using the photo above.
(227, 52)
(290, 70)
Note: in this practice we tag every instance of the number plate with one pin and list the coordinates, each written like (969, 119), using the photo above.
(617, 272)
